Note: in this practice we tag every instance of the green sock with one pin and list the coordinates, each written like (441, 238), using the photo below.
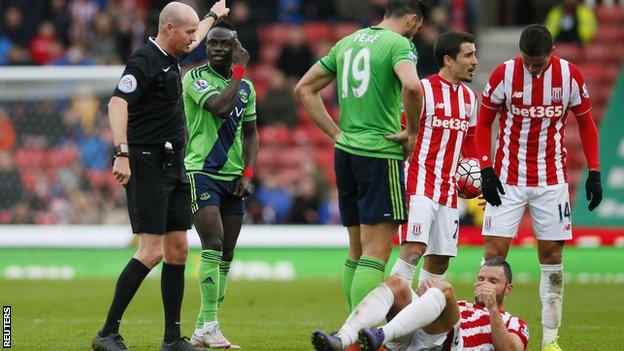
(347, 278)
(368, 274)
(224, 269)
(209, 286)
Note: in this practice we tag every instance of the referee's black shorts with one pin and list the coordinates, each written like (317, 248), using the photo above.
(159, 198)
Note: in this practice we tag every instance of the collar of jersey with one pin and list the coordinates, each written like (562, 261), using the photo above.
(153, 41)
(215, 72)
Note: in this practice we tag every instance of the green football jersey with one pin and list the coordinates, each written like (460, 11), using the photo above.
(369, 92)
(215, 145)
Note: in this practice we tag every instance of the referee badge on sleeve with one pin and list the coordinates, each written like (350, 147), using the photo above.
(127, 83)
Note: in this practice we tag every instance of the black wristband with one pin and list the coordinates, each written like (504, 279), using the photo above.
(213, 15)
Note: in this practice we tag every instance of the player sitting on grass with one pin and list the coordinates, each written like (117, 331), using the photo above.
(433, 319)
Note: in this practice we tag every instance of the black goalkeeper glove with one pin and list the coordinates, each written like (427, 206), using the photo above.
(593, 189)
(491, 186)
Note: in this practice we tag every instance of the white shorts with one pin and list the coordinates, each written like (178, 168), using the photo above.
(433, 224)
(549, 207)
(421, 341)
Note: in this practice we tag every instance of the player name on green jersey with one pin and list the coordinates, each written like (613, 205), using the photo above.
(215, 145)
(369, 92)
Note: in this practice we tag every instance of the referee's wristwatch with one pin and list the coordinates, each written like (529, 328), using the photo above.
(121, 150)
(213, 15)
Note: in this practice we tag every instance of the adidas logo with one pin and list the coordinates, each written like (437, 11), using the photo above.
(204, 196)
(208, 280)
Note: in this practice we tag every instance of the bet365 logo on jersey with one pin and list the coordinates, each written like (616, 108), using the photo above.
(538, 111)
(450, 123)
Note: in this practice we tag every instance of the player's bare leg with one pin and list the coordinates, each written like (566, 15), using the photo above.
(495, 246)
(208, 224)
(350, 265)
(435, 311)
(376, 246)
(435, 267)
(405, 265)
(551, 290)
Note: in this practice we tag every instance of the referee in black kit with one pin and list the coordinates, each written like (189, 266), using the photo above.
(147, 121)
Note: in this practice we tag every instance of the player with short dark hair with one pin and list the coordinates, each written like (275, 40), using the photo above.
(432, 318)
(446, 132)
(147, 122)
(375, 69)
(221, 152)
(532, 94)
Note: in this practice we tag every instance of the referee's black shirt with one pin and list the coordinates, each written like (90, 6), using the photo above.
(152, 86)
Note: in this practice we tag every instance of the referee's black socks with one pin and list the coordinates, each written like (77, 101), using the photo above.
(127, 285)
(172, 289)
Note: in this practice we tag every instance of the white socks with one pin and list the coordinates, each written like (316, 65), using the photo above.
(418, 314)
(369, 312)
(404, 270)
(551, 294)
(426, 275)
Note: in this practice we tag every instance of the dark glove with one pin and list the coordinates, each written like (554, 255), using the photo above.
(491, 186)
(593, 189)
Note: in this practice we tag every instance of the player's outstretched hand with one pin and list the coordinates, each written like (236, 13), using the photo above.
(407, 142)
(121, 170)
(593, 189)
(240, 56)
(491, 186)
(220, 9)
(244, 187)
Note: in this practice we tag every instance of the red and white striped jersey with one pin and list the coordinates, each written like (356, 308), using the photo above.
(530, 148)
(476, 332)
(448, 111)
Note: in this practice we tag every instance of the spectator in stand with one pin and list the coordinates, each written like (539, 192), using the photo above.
(102, 40)
(7, 132)
(272, 195)
(45, 46)
(95, 150)
(82, 13)
(75, 55)
(424, 42)
(329, 213)
(246, 29)
(305, 207)
(5, 49)
(319, 10)
(22, 214)
(279, 105)
(354, 11)
(57, 14)
(14, 27)
(289, 11)
(296, 56)
(572, 22)
(11, 188)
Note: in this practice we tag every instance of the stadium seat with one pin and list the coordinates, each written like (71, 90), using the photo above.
(610, 14)
(316, 32)
(276, 135)
(275, 34)
(269, 53)
(344, 29)
(28, 158)
(609, 33)
(570, 52)
(310, 135)
(61, 157)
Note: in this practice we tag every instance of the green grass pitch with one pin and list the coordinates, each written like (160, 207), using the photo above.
(64, 315)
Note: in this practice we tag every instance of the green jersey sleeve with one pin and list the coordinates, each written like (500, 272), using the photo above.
(198, 88)
(328, 63)
(403, 50)
(250, 110)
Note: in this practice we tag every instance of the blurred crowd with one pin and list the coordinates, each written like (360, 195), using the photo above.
(55, 154)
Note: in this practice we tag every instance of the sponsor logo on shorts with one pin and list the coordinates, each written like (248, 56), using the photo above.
(416, 229)
(488, 222)
(205, 196)
(567, 227)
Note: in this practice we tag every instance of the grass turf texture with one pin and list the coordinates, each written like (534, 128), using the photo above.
(55, 315)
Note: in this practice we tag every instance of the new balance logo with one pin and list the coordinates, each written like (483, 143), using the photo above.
(208, 280)
(439, 106)
(517, 95)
